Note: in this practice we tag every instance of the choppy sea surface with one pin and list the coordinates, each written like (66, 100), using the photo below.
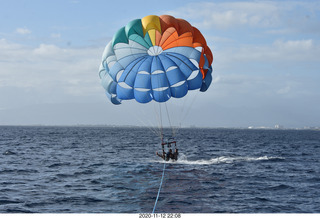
(115, 170)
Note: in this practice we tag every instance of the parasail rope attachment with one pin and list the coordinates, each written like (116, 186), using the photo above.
(155, 204)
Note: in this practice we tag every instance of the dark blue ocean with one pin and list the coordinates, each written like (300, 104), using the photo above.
(115, 170)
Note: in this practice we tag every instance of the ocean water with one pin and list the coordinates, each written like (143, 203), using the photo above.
(115, 170)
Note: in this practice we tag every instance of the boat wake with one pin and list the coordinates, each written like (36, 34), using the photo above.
(223, 159)
(218, 160)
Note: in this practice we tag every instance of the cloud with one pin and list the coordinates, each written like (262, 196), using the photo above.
(275, 16)
(5, 46)
(230, 14)
(56, 35)
(48, 50)
(23, 31)
(235, 14)
(284, 90)
(279, 51)
(295, 45)
(47, 73)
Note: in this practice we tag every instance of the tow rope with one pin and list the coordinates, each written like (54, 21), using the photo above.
(155, 204)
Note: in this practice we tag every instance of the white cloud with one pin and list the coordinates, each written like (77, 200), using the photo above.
(277, 52)
(295, 45)
(56, 35)
(48, 50)
(47, 73)
(230, 14)
(247, 13)
(278, 17)
(5, 46)
(23, 31)
(284, 90)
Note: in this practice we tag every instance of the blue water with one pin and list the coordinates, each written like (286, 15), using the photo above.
(115, 170)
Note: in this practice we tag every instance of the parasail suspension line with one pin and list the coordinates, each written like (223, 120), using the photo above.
(155, 204)
(162, 143)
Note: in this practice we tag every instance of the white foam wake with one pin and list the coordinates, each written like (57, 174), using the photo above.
(183, 160)
(223, 159)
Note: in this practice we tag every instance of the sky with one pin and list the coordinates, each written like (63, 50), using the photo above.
(266, 62)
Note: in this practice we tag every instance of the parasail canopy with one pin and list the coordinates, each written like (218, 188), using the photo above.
(155, 58)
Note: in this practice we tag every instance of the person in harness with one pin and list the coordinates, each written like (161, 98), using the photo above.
(169, 155)
(175, 154)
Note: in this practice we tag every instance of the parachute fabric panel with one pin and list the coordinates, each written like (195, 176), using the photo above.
(155, 58)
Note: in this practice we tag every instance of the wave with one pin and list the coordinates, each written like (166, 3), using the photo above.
(218, 160)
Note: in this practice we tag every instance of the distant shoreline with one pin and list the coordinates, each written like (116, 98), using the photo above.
(182, 127)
